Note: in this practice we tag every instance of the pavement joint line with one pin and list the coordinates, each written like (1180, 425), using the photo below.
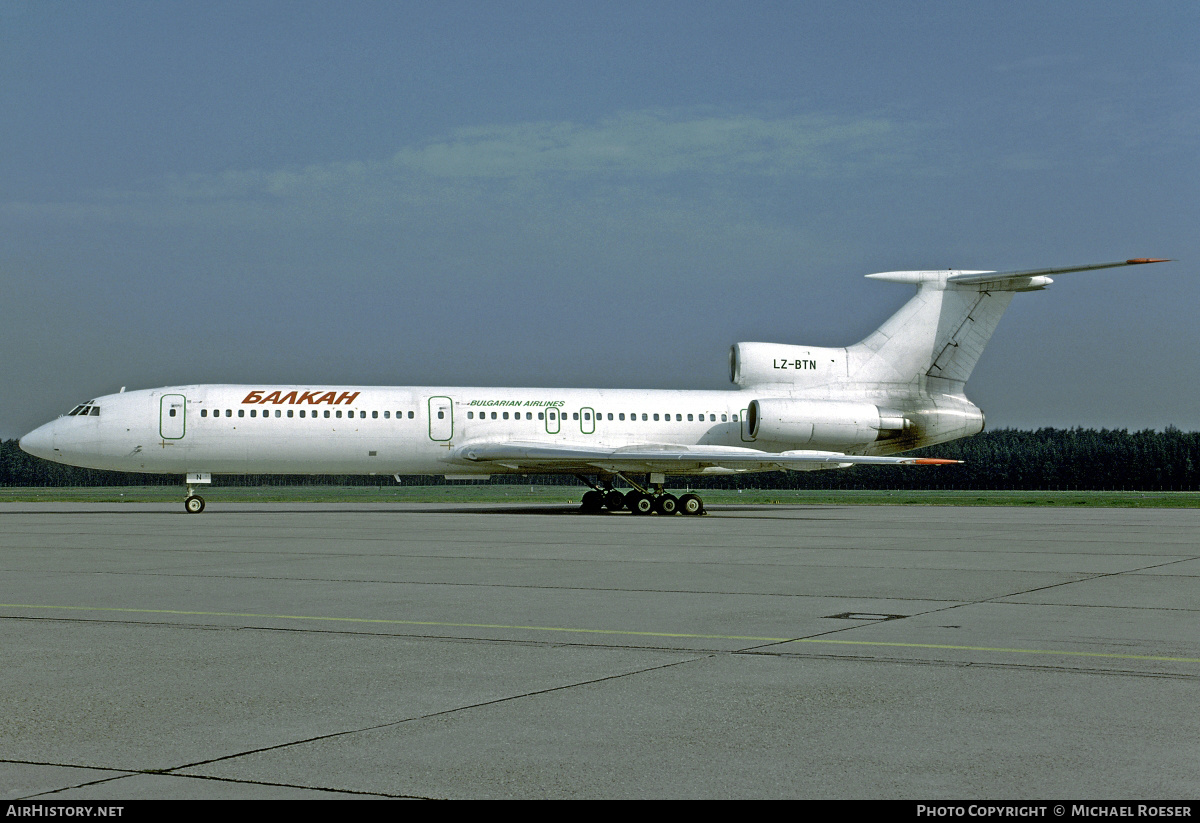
(126, 773)
(440, 713)
(623, 632)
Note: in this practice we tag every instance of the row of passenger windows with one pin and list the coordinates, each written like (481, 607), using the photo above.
(553, 415)
(291, 412)
(587, 415)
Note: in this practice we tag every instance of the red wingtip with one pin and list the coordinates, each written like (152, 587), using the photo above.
(1148, 260)
(935, 461)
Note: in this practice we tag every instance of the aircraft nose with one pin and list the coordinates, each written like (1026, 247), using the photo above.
(39, 442)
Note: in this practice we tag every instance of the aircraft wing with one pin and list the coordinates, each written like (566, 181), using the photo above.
(674, 459)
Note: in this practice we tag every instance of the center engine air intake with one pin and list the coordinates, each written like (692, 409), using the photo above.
(834, 424)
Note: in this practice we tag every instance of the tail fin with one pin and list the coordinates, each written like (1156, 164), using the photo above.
(942, 330)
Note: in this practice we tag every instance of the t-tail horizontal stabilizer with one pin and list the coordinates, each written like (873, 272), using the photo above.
(1002, 280)
(940, 333)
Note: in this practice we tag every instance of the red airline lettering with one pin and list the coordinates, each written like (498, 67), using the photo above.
(312, 396)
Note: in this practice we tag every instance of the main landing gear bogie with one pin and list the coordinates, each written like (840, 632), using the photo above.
(641, 502)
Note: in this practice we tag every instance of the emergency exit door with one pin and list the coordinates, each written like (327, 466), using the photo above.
(441, 419)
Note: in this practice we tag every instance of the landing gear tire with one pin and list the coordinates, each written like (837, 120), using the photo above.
(194, 504)
(614, 501)
(642, 504)
(691, 504)
(666, 504)
(592, 502)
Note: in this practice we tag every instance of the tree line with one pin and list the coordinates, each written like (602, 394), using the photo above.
(1010, 459)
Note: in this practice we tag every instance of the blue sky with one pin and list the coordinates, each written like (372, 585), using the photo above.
(558, 193)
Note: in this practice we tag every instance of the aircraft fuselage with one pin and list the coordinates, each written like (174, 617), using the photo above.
(233, 429)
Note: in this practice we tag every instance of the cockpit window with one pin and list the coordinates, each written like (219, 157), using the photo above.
(85, 409)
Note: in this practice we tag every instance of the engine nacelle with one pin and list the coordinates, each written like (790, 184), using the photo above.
(795, 367)
(831, 424)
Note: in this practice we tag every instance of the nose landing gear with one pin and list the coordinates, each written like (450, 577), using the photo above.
(194, 503)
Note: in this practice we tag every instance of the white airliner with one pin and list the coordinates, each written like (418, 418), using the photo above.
(794, 408)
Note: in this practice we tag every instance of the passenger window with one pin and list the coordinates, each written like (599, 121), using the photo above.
(723, 418)
(574, 415)
(506, 415)
(679, 418)
(374, 415)
(171, 413)
(338, 413)
(656, 417)
(587, 416)
(362, 415)
(277, 414)
(289, 412)
(470, 415)
(387, 415)
(254, 412)
(441, 415)
(327, 412)
(241, 412)
(735, 418)
(410, 415)
(644, 416)
(621, 416)
(689, 417)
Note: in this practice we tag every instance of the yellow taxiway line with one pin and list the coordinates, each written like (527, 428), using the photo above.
(619, 632)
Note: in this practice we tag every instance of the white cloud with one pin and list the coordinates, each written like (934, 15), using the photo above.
(652, 143)
(638, 151)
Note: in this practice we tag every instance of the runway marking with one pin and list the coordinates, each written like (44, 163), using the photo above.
(620, 632)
